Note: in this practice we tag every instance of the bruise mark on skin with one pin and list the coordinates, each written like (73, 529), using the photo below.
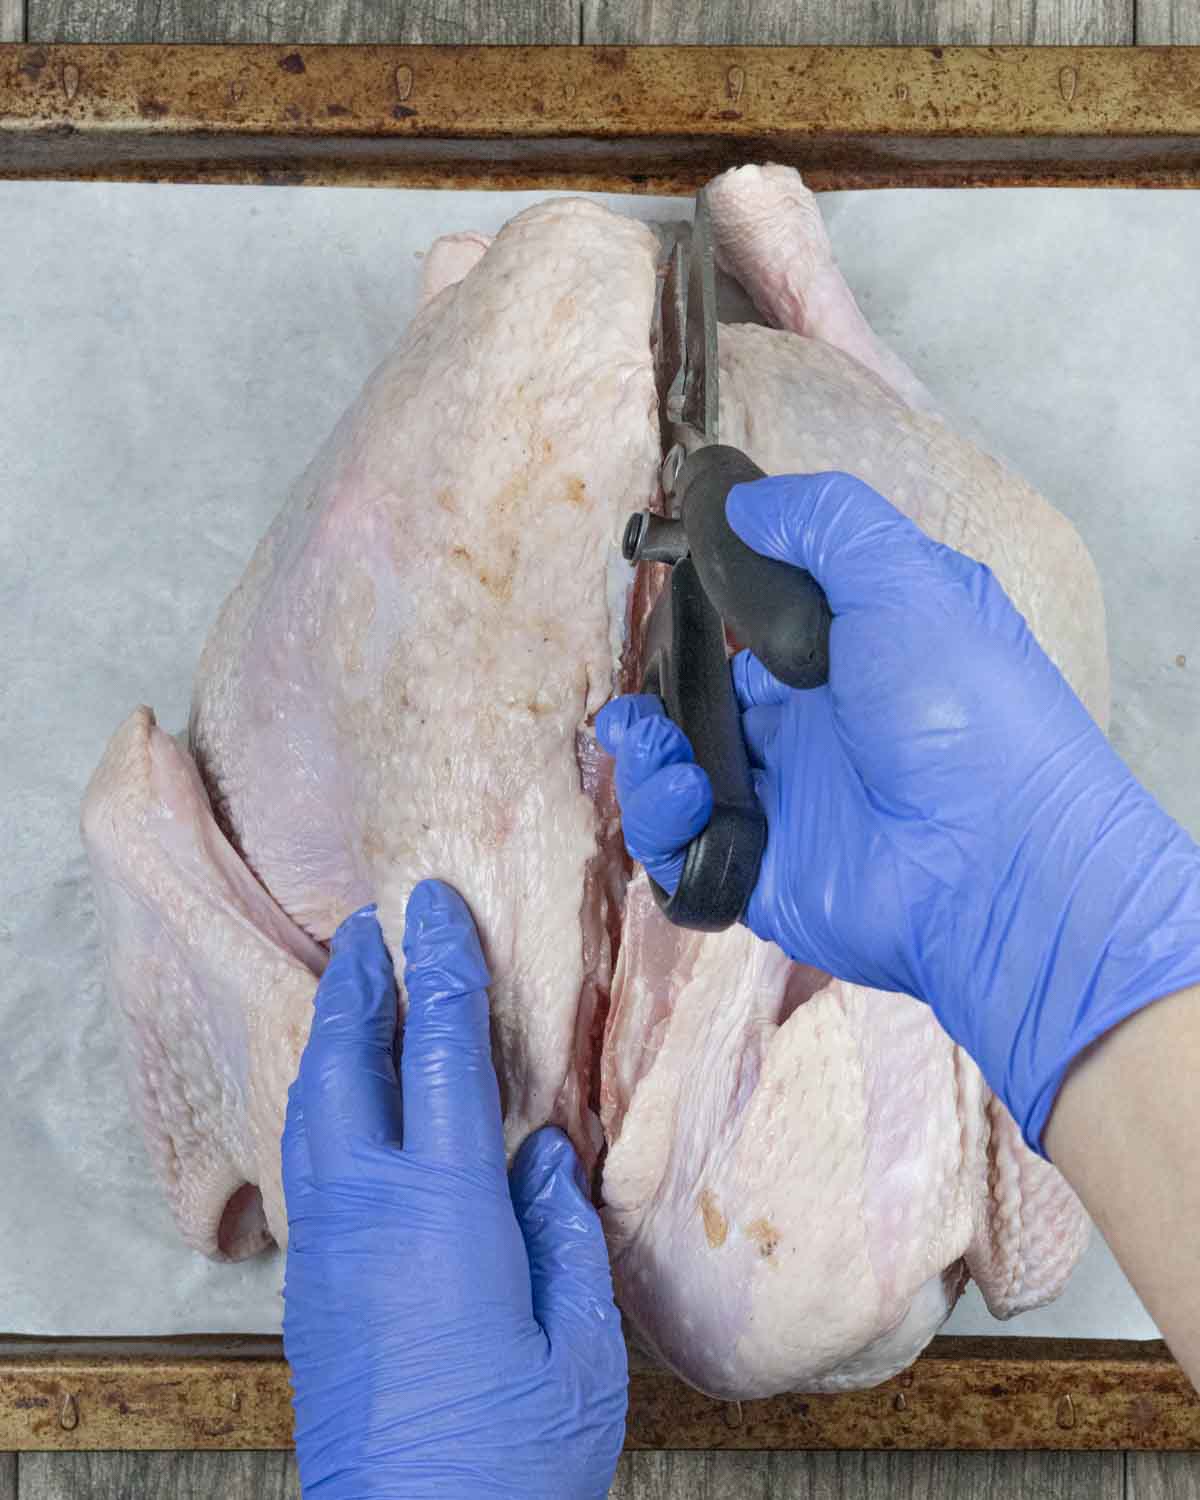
(499, 581)
(765, 1236)
(716, 1225)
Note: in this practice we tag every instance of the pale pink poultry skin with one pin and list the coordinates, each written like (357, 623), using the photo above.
(799, 1174)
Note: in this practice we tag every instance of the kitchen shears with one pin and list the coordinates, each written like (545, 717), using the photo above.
(716, 585)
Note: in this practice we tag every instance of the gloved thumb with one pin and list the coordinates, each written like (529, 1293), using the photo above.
(568, 1260)
(856, 544)
(665, 797)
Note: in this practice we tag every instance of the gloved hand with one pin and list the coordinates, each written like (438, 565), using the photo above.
(944, 817)
(451, 1329)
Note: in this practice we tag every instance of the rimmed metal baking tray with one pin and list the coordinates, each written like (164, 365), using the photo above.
(660, 120)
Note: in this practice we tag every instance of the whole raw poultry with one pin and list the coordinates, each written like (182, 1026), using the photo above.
(797, 1175)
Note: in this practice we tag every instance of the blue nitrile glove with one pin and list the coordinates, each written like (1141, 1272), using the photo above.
(944, 818)
(450, 1328)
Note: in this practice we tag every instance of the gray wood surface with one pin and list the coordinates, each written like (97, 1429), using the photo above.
(623, 1484)
(827, 22)
(874, 1476)
(1162, 1476)
(1097, 22)
(1165, 23)
(653, 1476)
(12, 29)
(158, 1476)
(402, 21)
(641, 1476)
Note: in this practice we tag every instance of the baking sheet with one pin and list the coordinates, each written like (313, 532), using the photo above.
(169, 359)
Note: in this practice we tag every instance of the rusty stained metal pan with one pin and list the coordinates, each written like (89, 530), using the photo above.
(233, 1393)
(657, 119)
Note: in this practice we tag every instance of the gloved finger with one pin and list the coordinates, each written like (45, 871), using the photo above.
(297, 1168)
(857, 545)
(958, 565)
(570, 1280)
(754, 686)
(663, 815)
(807, 718)
(347, 1086)
(647, 747)
(620, 714)
(760, 726)
(451, 1097)
(300, 1192)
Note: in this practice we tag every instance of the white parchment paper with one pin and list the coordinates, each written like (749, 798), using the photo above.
(170, 357)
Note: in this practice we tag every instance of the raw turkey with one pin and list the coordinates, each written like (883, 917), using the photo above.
(797, 1176)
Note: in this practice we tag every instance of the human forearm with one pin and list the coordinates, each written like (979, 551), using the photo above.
(1124, 1131)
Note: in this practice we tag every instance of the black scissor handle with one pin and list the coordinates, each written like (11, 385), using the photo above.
(687, 668)
(779, 611)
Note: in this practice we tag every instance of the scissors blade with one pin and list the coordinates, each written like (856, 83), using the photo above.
(670, 329)
(700, 404)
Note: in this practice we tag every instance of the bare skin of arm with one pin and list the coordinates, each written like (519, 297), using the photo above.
(1125, 1132)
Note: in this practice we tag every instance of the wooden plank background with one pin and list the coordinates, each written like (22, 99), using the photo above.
(642, 1476)
(821, 22)
(12, 29)
(655, 1476)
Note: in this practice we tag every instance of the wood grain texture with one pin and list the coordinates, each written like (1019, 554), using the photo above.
(1164, 23)
(1162, 1476)
(875, 1476)
(12, 20)
(622, 1487)
(158, 1476)
(653, 1476)
(407, 21)
(863, 22)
